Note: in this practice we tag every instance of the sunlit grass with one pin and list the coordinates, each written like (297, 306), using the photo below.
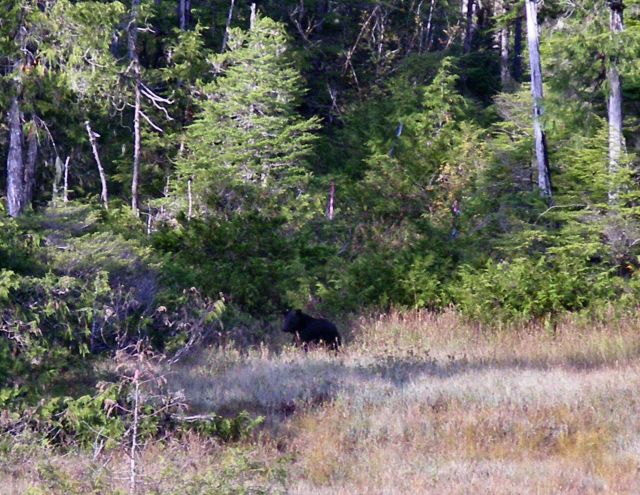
(414, 403)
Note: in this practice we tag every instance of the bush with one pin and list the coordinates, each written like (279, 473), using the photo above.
(253, 260)
(383, 278)
(525, 288)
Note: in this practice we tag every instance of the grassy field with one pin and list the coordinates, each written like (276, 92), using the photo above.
(415, 403)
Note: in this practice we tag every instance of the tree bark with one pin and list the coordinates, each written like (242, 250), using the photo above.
(332, 195)
(252, 17)
(15, 161)
(542, 158)
(429, 30)
(184, 14)
(468, 7)
(132, 38)
(503, 45)
(517, 50)
(30, 166)
(104, 195)
(616, 139)
(225, 37)
(65, 187)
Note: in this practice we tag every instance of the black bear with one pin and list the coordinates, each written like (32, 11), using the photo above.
(308, 330)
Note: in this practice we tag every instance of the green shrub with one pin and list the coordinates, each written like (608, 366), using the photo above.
(253, 260)
(525, 289)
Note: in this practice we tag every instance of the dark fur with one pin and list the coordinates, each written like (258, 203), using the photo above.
(308, 330)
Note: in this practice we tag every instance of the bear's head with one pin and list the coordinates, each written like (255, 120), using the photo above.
(292, 320)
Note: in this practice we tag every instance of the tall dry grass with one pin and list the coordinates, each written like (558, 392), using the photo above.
(414, 403)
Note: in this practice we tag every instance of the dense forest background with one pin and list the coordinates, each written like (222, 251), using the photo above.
(176, 170)
(455, 184)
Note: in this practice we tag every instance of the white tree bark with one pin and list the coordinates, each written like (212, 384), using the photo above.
(132, 39)
(429, 30)
(65, 188)
(189, 199)
(225, 36)
(542, 159)
(104, 195)
(133, 450)
(30, 165)
(252, 17)
(616, 139)
(15, 161)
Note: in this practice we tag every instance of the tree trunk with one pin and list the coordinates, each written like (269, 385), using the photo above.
(104, 195)
(503, 46)
(542, 159)
(252, 17)
(132, 39)
(225, 37)
(332, 196)
(517, 50)
(58, 166)
(468, 7)
(30, 166)
(616, 139)
(15, 162)
(184, 14)
(65, 187)
(429, 30)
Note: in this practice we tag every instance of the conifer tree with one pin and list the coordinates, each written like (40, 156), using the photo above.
(248, 146)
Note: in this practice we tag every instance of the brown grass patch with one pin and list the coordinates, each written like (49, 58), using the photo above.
(415, 403)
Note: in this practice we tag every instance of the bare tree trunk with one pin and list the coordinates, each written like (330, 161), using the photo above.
(468, 7)
(15, 162)
(429, 30)
(136, 150)
(225, 37)
(616, 139)
(332, 196)
(252, 17)
(133, 451)
(30, 166)
(58, 165)
(517, 50)
(189, 199)
(135, 66)
(65, 189)
(184, 14)
(542, 158)
(104, 195)
(501, 8)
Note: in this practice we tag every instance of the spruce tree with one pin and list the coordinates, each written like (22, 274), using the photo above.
(247, 148)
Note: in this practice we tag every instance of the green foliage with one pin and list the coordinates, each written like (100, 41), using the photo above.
(105, 418)
(46, 321)
(523, 289)
(435, 203)
(247, 148)
(227, 429)
(85, 421)
(252, 260)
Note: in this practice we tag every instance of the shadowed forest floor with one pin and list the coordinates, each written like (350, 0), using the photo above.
(414, 404)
